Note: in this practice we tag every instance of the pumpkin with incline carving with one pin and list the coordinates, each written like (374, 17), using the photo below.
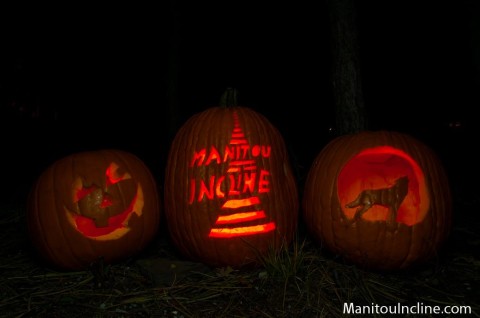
(230, 194)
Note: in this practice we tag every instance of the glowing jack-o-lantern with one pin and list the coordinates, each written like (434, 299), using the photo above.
(230, 194)
(93, 204)
(379, 199)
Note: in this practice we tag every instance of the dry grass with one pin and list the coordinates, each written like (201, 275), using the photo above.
(301, 281)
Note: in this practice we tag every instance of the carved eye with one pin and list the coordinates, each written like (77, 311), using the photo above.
(82, 192)
(114, 175)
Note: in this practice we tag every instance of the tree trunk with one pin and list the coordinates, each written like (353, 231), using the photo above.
(346, 77)
(172, 72)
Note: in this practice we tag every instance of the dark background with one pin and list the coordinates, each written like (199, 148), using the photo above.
(83, 77)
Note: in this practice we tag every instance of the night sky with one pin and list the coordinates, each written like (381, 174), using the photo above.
(77, 78)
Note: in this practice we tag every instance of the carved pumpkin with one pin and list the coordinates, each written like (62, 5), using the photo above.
(379, 199)
(230, 194)
(93, 204)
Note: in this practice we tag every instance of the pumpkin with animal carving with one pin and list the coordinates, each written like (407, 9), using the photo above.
(380, 199)
(93, 205)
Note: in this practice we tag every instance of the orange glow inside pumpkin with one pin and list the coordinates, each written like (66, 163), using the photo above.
(113, 175)
(87, 227)
(117, 224)
(375, 170)
(242, 231)
(239, 186)
(240, 217)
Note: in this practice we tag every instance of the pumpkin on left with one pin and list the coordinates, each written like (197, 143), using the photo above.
(92, 205)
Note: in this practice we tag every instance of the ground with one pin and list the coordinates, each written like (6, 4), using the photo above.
(302, 281)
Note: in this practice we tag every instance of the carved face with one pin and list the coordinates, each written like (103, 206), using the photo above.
(102, 211)
(101, 203)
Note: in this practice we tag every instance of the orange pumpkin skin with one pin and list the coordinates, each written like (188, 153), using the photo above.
(367, 166)
(92, 205)
(211, 158)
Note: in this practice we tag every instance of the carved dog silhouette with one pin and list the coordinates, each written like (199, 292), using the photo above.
(391, 197)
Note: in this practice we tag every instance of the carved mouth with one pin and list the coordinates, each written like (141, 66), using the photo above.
(117, 224)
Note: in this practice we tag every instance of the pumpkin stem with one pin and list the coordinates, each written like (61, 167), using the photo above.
(229, 97)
